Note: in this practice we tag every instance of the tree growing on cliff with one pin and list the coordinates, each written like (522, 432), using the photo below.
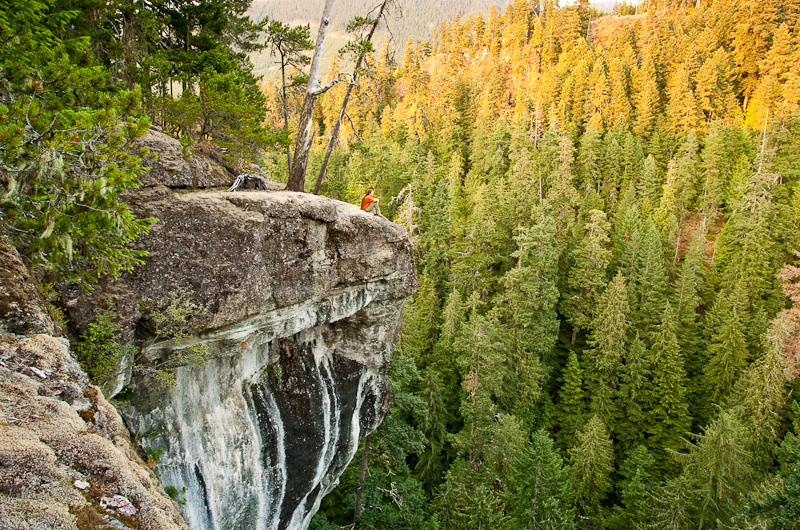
(66, 151)
(289, 43)
(360, 48)
(297, 173)
(100, 352)
(170, 319)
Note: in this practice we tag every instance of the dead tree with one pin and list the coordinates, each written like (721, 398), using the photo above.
(302, 146)
(364, 47)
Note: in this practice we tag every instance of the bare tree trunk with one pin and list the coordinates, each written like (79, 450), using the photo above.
(285, 111)
(297, 173)
(362, 474)
(763, 143)
(338, 124)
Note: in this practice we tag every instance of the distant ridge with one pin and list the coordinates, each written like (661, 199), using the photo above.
(416, 19)
(419, 19)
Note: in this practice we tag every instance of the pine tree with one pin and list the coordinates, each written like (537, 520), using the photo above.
(590, 159)
(500, 458)
(649, 185)
(632, 161)
(621, 110)
(608, 342)
(752, 37)
(288, 43)
(761, 389)
(520, 25)
(487, 242)
(668, 412)
(591, 462)
(531, 295)
(480, 28)
(484, 348)
(683, 113)
(686, 172)
(718, 467)
(525, 178)
(686, 298)
(493, 32)
(66, 150)
(714, 161)
(752, 241)
(667, 215)
(587, 273)
(635, 489)
(562, 199)
(430, 466)
(484, 509)
(626, 240)
(648, 285)
(632, 396)
(715, 90)
(570, 406)
(420, 322)
(648, 95)
(613, 170)
(598, 102)
(539, 495)
(778, 61)
(728, 357)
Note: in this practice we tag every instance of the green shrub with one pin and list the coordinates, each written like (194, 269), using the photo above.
(171, 318)
(100, 352)
(176, 495)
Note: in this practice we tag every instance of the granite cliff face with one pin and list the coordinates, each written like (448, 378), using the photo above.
(301, 299)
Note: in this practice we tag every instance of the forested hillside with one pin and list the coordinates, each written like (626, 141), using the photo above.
(602, 336)
(408, 19)
(604, 218)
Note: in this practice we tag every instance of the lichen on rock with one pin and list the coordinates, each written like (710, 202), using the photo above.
(56, 428)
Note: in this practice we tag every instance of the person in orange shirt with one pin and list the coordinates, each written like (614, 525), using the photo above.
(370, 203)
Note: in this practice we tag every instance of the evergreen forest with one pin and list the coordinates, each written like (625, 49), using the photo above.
(604, 233)
(605, 213)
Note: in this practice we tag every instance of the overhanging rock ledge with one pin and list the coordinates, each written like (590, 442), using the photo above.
(301, 299)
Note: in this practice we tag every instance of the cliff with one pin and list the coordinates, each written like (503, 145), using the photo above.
(66, 460)
(299, 301)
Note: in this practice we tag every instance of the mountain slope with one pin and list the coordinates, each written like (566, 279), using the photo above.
(414, 19)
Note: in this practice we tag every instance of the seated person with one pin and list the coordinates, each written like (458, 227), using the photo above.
(370, 203)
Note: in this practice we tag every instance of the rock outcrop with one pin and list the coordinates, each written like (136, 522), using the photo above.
(301, 299)
(169, 167)
(63, 447)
